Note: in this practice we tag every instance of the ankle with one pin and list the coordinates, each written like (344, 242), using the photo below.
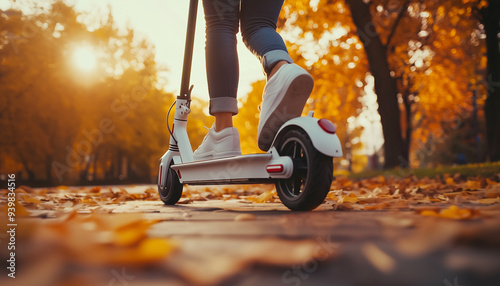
(276, 68)
(223, 120)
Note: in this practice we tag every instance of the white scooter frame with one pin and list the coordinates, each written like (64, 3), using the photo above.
(299, 162)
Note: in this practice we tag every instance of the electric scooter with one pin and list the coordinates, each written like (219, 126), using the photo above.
(299, 162)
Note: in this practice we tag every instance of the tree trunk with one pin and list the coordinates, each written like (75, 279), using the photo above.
(84, 173)
(31, 173)
(48, 168)
(385, 85)
(94, 165)
(491, 19)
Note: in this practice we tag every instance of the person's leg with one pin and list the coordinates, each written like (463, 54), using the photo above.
(222, 23)
(288, 85)
(258, 29)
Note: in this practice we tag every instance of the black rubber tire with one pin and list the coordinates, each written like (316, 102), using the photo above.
(172, 191)
(312, 175)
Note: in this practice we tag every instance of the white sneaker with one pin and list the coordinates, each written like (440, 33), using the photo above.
(284, 98)
(225, 143)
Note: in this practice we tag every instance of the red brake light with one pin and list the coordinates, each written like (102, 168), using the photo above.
(274, 168)
(327, 126)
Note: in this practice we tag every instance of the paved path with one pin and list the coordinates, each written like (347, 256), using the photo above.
(234, 242)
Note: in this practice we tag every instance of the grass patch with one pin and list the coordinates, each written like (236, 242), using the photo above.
(469, 170)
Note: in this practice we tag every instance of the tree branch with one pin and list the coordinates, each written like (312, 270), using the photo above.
(398, 19)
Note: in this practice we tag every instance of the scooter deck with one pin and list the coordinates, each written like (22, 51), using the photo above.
(244, 169)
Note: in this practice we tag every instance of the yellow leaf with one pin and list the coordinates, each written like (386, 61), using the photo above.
(429, 213)
(473, 184)
(131, 233)
(332, 196)
(351, 198)
(450, 181)
(264, 197)
(147, 251)
(153, 249)
(19, 209)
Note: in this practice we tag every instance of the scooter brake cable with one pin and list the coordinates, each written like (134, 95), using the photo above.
(168, 124)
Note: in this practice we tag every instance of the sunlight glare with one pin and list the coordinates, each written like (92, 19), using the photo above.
(84, 58)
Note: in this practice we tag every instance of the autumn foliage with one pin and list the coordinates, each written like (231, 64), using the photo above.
(425, 62)
(63, 124)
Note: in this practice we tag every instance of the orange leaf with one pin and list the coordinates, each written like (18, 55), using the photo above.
(377, 207)
(450, 181)
(473, 184)
(131, 233)
(20, 210)
(351, 198)
(453, 212)
(489, 201)
(264, 197)
(492, 194)
(29, 199)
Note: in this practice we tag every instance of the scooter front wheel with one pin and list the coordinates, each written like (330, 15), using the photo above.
(312, 176)
(171, 192)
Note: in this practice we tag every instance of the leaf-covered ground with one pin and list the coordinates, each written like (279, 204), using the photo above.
(405, 231)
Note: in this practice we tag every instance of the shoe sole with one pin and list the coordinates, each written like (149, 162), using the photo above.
(291, 106)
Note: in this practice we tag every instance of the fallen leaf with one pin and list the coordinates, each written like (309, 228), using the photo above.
(351, 198)
(377, 207)
(491, 182)
(433, 235)
(378, 258)
(489, 201)
(20, 210)
(264, 197)
(453, 212)
(131, 233)
(473, 184)
(368, 200)
(244, 217)
(492, 194)
(343, 207)
(184, 201)
(30, 200)
(391, 221)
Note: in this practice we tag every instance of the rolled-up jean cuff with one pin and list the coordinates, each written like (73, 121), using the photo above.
(223, 104)
(270, 59)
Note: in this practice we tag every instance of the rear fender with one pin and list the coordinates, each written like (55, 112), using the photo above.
(326, 143)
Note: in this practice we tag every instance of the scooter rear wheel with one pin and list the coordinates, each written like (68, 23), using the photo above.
(312, 176)
(172, 191)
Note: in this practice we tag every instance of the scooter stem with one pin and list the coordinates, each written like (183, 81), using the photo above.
(188, 51)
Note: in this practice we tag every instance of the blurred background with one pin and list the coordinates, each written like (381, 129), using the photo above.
(85, 86)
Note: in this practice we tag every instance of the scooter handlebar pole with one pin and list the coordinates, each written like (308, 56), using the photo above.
(188, 51)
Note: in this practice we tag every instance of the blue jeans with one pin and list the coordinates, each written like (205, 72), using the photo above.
(258, 20)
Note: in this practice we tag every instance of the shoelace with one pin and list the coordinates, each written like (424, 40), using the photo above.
(204, 138)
